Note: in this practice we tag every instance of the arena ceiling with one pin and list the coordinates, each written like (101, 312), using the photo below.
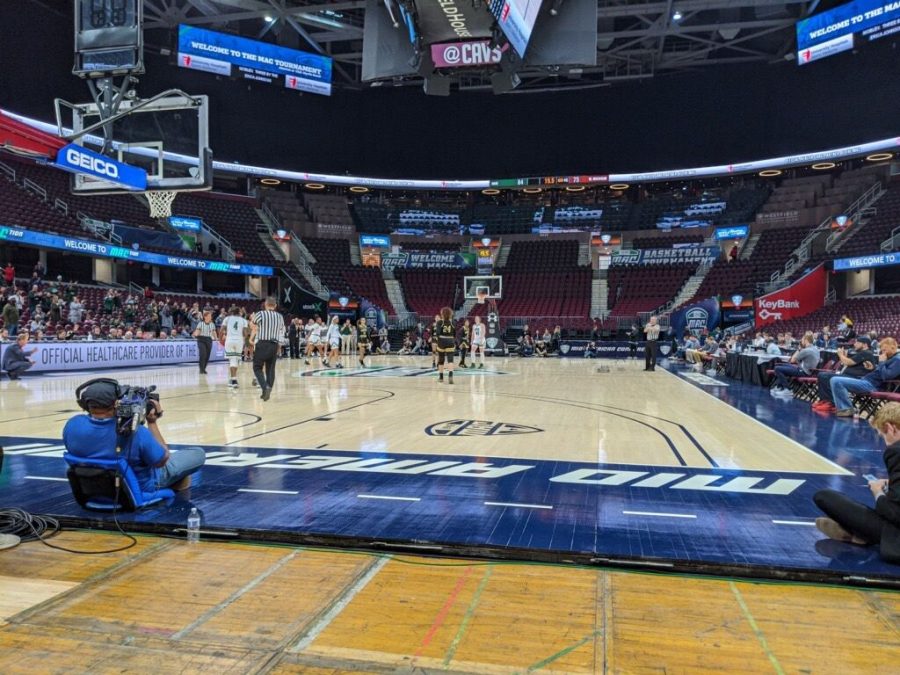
(637, 39)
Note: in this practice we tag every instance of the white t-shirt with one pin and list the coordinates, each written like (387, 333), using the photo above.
(234, 328)
(316, 333)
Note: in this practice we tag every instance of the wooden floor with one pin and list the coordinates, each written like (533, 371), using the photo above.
(166, 606)
(625, 416)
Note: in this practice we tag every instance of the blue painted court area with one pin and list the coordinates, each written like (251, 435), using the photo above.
(724, 521)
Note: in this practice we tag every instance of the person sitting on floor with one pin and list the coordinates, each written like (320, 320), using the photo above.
(888, 369)
(802, 363)
(540, 347)
(852, 365)
(848, 520)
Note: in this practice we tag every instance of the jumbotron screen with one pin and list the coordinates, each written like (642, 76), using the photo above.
(835, 31)
(516, 19)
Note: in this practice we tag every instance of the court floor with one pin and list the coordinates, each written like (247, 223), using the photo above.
(529, 458)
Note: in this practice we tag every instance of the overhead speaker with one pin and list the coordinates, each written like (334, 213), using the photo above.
(437, 86)
(502, 83)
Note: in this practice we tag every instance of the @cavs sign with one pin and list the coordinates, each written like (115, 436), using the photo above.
(462, 54)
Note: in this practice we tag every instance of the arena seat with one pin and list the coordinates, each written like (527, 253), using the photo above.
(427, 291)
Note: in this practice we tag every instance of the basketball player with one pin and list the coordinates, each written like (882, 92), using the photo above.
(333, 338)
(321, 329)
(464, 344)
(445, 330)
(308, 331)
(362, 340)
(434, 340)
(478, 341)
(235, 327)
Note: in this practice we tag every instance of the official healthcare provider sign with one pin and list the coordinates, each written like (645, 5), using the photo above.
(100, 249)
(866, 261)
(77, 159)
(423, 261)
(465, 54)
(665, 256)
(802, 297)
(207, 50)
(185, 224)
(87, 355)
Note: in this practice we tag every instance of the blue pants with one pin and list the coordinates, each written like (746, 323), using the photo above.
(785, 371)
(14, 370)
(181, 463)
(842, 387)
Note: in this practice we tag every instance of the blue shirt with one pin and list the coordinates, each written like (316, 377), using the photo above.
(85, 436)
(886, 371)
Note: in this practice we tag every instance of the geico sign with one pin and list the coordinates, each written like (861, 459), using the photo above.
(779, 304)
(94, 164)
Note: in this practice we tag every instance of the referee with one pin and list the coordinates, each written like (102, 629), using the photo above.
(651, 330)
(205, 333)
(266, 331)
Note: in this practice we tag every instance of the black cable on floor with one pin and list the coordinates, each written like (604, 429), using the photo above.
(29, 527)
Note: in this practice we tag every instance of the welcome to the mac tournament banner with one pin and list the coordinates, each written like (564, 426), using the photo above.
(694, 318)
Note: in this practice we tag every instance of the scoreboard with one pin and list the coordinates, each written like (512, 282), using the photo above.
(548, 181)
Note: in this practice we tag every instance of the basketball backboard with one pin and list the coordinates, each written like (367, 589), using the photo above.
(483, 287)
(167, 136)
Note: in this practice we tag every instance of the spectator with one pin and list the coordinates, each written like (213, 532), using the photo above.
(95, 334)
(733, 253)
(16, 359)
(9, 274)
(801, 364)
(852, 366)
(39, 270)
(55, 309)
(855, 523)
(772, 347)
(11, 317)
(213, 249)
(148, 293)
(888, 369)
(76, 310)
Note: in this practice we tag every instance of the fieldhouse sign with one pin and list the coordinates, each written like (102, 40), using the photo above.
(805, 295)
(99, 249)
(88, 355)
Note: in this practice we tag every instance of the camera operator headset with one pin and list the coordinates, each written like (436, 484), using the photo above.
(99, 434)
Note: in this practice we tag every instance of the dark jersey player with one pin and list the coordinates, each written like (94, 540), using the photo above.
(362, 341)
(434, 340)
(464, 344)
(445, 336)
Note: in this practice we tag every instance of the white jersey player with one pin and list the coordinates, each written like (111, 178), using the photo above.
(479, 338)
(333, 340)
(307, 332)
(235, 327)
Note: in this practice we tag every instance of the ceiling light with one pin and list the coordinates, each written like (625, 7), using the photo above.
(269, 18)
(359, 189)
(879, 157)
(575, 188)
(531, 190)
(768, 173)
(270, 181)
(490, 191)
(677, 16)
(619, 186)
(315, 186)
(822, 166)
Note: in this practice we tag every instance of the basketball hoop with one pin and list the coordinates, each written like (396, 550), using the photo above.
(160, 202)
(481, 295)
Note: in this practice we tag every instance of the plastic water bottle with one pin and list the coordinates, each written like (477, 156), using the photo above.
(193, 526)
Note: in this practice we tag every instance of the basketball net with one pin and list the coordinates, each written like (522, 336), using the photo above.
(160, 202)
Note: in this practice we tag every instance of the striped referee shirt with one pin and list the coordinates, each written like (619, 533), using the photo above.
(652, 331)
(270, 326)
(207, 330)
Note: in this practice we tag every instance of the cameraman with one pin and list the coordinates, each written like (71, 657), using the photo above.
(154, 465)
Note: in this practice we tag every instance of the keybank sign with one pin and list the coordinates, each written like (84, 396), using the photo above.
(101, 250)
(76, 159)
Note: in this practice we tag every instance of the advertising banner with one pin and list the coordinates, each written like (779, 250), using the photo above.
(865, 261)
(604, 350)
(77, 159)
(733, 232)
(694, 318)
(100, 249)
(847, 19)
(207, 50)
(465, 54)
(375, 240)
(297, 301)
(805, 295)
(86, 355)
(423, 261)
(665, 256)
(185, 223)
